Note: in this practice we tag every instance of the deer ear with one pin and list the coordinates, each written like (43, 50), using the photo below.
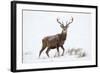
(62, 26)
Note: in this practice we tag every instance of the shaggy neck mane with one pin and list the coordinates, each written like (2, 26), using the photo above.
(63, 36)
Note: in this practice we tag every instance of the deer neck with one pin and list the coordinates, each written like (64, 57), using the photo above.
(63, 35)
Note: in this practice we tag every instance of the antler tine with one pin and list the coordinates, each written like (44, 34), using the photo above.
(59, 21)
(70, 21)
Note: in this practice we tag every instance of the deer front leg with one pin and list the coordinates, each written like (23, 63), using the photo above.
(58, 51)
(63, 50)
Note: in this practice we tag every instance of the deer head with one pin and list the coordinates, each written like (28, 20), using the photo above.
(64, 27)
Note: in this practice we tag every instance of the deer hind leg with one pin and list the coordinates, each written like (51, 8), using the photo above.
(43, 47)
(42, 50)
(63, 50)
(47, 52)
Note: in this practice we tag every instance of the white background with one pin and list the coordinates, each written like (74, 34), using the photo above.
(36, 26)
(5, 36)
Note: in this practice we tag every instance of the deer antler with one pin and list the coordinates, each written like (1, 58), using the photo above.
(61, 24)
(67, 23)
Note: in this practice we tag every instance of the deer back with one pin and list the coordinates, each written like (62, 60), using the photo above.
(54, 40)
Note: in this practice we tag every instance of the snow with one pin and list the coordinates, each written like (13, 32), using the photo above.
(29, 57)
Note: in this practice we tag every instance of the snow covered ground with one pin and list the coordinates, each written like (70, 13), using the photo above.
(28, 58)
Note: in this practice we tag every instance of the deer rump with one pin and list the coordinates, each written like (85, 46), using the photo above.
(53, 42)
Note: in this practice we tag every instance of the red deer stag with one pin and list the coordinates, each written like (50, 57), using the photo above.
(56, 41)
